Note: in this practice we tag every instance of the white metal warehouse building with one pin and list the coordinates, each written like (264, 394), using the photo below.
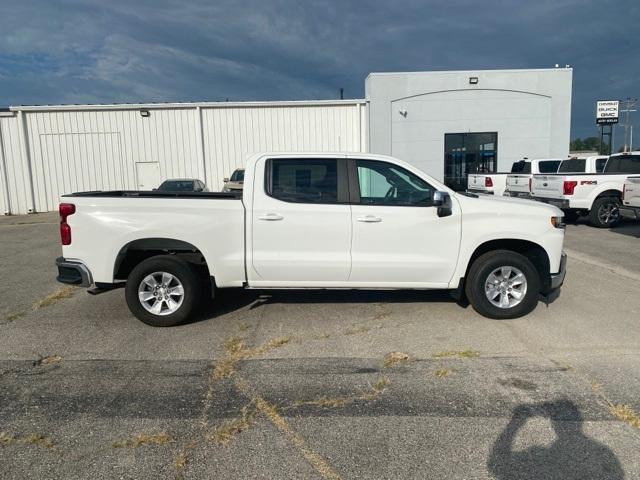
(449, 124)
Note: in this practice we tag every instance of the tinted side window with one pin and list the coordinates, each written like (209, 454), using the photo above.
(521, 167)
(549, 166)
(303, 180)
(383, 183)
(623, 164)
(575, 165)
(600, 164)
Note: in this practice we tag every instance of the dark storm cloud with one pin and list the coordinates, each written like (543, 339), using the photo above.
(124, 51)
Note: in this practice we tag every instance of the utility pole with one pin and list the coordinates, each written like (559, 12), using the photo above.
(628, 104)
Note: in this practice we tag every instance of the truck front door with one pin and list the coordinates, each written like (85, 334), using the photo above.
(398, 237)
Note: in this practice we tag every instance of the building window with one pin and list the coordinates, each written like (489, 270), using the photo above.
(466, 153)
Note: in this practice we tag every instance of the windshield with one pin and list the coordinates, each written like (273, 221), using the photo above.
(521, 167)
(176, 186)
(238, 175)
(574, 165)
(623, 164)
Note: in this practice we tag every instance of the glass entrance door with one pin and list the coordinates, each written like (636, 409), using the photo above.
(466, 153)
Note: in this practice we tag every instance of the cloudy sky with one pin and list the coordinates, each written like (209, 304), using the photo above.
(95, 51)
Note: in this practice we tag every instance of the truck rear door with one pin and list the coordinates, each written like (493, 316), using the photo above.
(301, 222)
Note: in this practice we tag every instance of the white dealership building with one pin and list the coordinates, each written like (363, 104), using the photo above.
(448, 124)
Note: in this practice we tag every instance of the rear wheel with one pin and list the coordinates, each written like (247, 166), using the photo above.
(163, 291)
(503, 284)
(605, 212)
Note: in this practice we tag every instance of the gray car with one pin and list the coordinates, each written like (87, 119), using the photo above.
(234, 184)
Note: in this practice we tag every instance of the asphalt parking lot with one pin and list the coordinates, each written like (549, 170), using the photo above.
(321, 384)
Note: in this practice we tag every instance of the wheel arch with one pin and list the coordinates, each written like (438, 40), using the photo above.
(533, 251)
(136, 251)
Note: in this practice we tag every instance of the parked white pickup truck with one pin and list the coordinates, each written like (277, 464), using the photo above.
(518, 182)
(356, 221)
(630, 207)
(596, 195)
(497, 183)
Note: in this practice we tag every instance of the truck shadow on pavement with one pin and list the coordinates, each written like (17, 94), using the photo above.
(572, 455)
(231, 300)
(629, 228)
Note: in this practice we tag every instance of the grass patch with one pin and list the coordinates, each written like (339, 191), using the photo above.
(457, 353)
(32, 439)
(15, 316)
(356, 330)
(225, 432)
(625, 413)
(443, 372)
(394, 358)
(144, 439)
(55, 297)
(375, 391)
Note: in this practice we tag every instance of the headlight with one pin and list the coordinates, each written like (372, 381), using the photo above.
(558, 222)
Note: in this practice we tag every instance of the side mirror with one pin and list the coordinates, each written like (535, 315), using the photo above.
(225, 179)
(442, 200)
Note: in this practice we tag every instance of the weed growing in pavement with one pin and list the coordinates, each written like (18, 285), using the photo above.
(144, 439)
(457, 353)
(625, 414)
(55, 297)
(394, 358)
(443, 372)
(31, 439)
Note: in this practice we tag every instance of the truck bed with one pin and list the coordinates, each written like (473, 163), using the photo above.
(156, 194)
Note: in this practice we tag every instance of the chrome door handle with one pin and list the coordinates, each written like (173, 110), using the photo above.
(369, 219)
(270, 217)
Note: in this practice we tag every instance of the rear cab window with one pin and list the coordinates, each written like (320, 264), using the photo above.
(521, 167)
(573, 165)
(548, 166)
(623, 164)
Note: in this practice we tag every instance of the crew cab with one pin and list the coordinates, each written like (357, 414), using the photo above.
(630, 207)
(596, 195)
(518, 182)
(355, 221)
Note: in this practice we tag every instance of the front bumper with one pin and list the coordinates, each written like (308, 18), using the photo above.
(557, 279)
(556, 202)
(630, 212)
(73, 273)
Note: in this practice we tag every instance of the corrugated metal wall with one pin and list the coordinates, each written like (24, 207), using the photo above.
(49, 151)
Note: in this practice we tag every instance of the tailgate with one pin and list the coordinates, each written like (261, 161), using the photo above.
(632, 192)
(547, 186)
(476, 182)
(518, 183)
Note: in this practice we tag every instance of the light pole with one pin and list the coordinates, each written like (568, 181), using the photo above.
(629, 103)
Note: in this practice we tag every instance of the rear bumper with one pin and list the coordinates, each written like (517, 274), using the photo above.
(557, 279)
(556, 202)
(482, 192)
(73, 273)
(629, 212)
(517, 194)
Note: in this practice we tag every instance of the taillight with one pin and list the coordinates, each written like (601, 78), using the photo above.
(568, 186)
(488, 182)
(65, 210)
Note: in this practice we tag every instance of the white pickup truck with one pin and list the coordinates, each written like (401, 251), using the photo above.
(630, 207)
(596, 195)
(356, 221)
(498, 183)
(518, 182)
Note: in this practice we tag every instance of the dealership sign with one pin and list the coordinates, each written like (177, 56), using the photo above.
(607, 111)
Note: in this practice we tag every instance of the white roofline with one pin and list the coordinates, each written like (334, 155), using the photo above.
(186, 105)
(467, 71)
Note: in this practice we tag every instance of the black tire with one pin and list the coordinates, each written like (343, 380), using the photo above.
(183, 271)
(598, 214)
(571, 216)
(479, 273)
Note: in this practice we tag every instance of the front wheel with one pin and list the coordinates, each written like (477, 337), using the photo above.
(605, 212)
(163, 291)
(503, 284)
